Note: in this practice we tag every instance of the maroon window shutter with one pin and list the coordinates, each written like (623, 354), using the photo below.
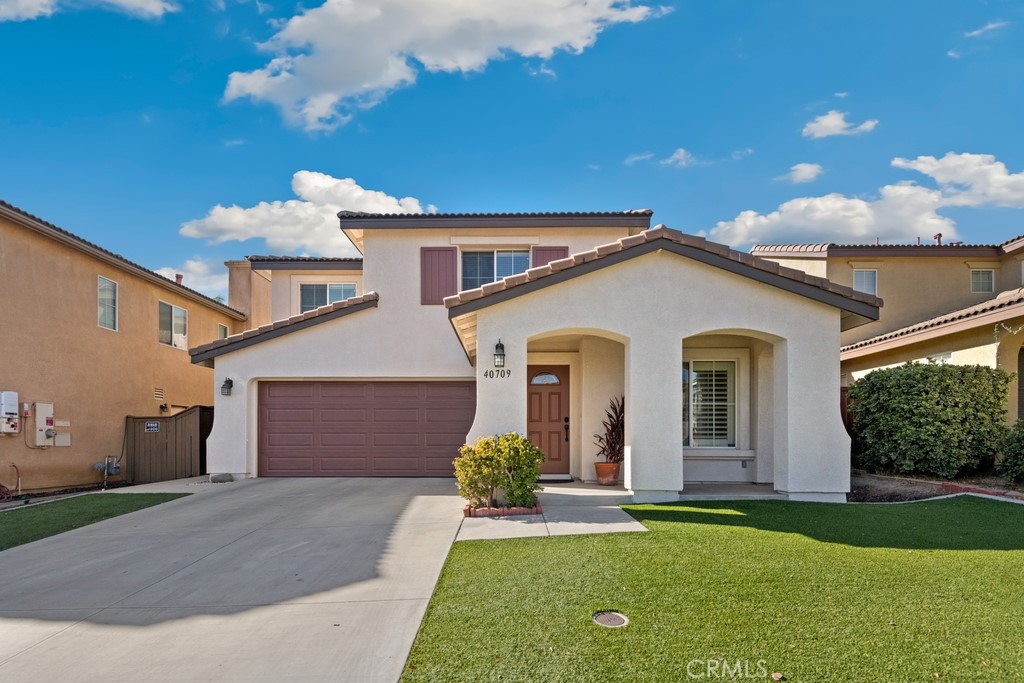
(438, 274)
(542, 255)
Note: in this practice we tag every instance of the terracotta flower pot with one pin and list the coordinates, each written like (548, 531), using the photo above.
(607, 473)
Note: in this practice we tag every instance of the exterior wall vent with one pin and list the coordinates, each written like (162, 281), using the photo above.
(158, 394)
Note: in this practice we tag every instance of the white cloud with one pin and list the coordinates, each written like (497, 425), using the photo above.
(970, 179)
(21, 10)
(210, 278)
(634, 158)
(900, 212)
(802, 173)
(679, 159)
(234, 142)
(841, 95)
(544, 70)
(594, 167)
(308, 224)
(835, 123)
(741, 153)
(953, 54)
(343, 56)
(987, 28)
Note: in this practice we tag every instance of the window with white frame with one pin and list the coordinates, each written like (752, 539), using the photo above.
(709, 403)
(316, 295)
(865, 281)
(983, 281)
(173, 322)
(106, 303)
(222, 331)
(482, 267)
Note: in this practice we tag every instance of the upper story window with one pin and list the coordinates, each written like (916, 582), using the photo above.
(173, 323)
(983, 281)
(865, 281)
(481, 267)
(106, 303)
(222, 331)
(317, 295)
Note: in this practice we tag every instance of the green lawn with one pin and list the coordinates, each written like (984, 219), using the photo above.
(31, 523)
(917, 592)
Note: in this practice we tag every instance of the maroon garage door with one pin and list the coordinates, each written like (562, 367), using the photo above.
(363, 429)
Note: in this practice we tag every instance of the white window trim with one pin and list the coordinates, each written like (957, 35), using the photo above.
(117, 304)
(227, 331)
(187, 325)
(298, 280)
(742, 359)
(865, 270)
(493, 250)
(992, 289)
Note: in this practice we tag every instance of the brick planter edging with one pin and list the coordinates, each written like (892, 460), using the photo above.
(470, 511)
(951, 487)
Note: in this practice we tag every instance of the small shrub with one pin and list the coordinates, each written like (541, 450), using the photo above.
(612, 444)
(938, 420)
(1013, 454)
(506, 463)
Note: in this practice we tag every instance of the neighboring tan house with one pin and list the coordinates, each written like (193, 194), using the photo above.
(953, 303)
(465, 325)
(95, 338)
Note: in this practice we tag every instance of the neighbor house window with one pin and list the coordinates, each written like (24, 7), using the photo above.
(709, 403)
(482, 267)
(315, 296)
(983, 281)
(106, 303)
(222, 331)
(865, 281)
(173, 326)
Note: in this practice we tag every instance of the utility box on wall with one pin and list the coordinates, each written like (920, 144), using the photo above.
(8, 412)
(45, 428)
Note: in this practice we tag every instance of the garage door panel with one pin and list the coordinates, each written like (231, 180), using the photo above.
(363, 428)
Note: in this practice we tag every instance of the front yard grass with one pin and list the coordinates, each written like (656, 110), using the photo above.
(24, 525)
(922, 591)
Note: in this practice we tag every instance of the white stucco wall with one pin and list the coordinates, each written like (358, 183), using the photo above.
(653, 302)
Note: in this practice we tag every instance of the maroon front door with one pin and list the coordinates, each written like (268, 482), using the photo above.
(547, 395)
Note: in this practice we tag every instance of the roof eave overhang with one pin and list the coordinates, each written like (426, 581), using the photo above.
(100, 255)
(929, 333)
(257, 264)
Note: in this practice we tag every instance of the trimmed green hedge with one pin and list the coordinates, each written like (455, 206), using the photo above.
(930, 419)
(1012, 463)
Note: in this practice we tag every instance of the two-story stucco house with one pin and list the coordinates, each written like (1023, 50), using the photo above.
(951, 303)
(89, 338)
(456, 326)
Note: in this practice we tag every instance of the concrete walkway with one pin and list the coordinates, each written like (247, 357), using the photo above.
(574, 508)
(261, 580)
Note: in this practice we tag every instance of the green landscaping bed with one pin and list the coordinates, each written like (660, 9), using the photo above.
(27, 524)
(915, 592)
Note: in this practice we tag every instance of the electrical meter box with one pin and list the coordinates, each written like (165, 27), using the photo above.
(8, 404)
(45, 427)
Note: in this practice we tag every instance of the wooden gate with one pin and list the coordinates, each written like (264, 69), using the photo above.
(164, 448)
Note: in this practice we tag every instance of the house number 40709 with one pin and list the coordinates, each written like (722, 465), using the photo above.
(497, 374)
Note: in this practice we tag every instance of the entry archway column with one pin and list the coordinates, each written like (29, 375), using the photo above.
(654, 409)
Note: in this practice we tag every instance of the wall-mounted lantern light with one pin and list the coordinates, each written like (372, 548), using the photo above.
(499, 355)
(225, 389)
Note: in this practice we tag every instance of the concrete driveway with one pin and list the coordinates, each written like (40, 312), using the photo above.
(259, 580)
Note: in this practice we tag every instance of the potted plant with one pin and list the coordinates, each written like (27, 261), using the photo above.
(612, 443)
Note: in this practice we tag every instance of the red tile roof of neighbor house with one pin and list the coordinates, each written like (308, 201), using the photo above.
(281, 327)
(27, 220)
(1008, 304)
(832, 249)
(690, 245)
(306, 259)
(499, 214)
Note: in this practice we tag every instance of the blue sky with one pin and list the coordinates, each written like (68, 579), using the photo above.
(182, 133)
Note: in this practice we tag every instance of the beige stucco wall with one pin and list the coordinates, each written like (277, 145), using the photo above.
(94, 377)
(650, 305)
(913, 288)
(812, 266)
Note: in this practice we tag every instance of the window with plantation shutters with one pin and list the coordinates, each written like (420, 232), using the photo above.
(709, 404)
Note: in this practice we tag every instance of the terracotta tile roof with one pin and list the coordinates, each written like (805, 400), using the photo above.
(525, 214)
(831, 248)
(1004, 300)
(660, 232)
(305, 259)
(759, 249)
(281, 327)
(5, 207)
